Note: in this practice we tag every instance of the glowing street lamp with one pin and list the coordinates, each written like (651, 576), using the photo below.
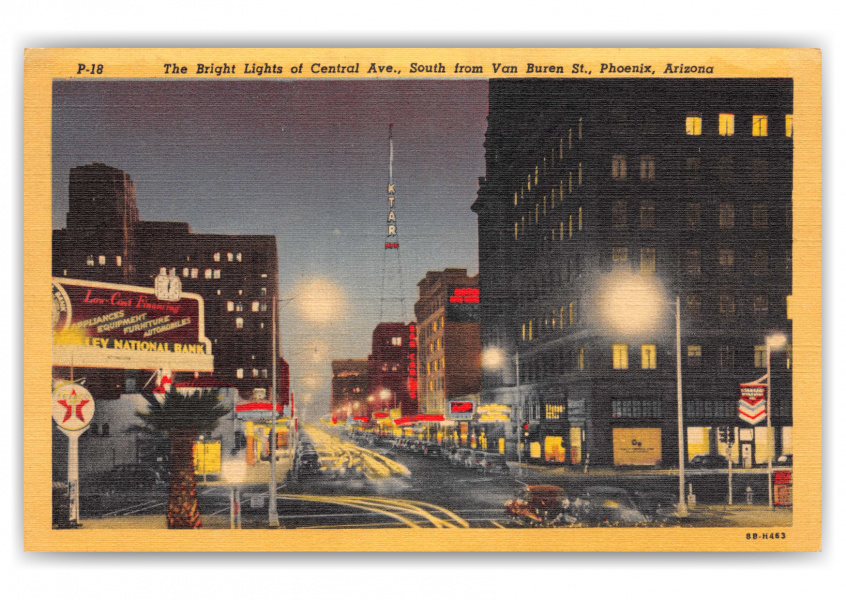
(633, 304)
(493, 358)
(775, 341)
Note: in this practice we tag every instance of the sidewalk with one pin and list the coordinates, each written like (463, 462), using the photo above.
(740, 516)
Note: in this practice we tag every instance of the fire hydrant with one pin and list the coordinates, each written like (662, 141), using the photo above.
(749, 495)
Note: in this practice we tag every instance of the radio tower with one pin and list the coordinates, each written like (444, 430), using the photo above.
(392, 305)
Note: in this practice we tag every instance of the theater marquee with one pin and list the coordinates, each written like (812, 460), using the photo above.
(106, 325)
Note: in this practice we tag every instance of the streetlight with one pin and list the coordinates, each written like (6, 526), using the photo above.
(631, 303)
(272, 514)
(494, 358)
(775, 341)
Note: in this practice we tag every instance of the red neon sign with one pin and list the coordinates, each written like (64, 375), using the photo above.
(461, 407)
(464, 296)
(257, 406)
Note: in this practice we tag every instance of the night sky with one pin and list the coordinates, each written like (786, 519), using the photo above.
(304, 161)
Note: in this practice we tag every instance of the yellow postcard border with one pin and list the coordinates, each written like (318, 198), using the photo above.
(42, 66)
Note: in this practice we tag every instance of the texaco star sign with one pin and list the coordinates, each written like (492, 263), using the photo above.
(73, 406)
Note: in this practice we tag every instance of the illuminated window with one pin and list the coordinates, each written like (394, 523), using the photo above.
(230, 306)
(207, 273)
(216, 257)
(195, 273)
(647, 261)
(759, 125)
(726, 258)
(647, 168)
(118, 260)
(515, 230)
(263, 307)
(618, 213)
(239, 373)
(515, 198)
(726, 214)
(570, 227)
(693, 125)
(759, 216)
(647, 214)
(694, 356)
(530, 331)
(619, 254)
(620, 356)
(580, 218)
(692, 215)
(726, 303)
(692, 261)
(101, 260)
(693, 304)
(255, 372)
(544, 206)
(618, 166)
(256, 306)
(648, 356)
(524, 332)
(561, 229)
(229, 256)
(536, 174)
(186, 271)
(89, 261)
(439, 345)
(788, 125)
(572, 313)
(760, 357)
(529, 182)
(581, 359)
(216, 274)
(239, 323)
(264, 374)
(239, 307)
(726, 124)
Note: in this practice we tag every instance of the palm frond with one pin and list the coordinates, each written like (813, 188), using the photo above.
(200, 412)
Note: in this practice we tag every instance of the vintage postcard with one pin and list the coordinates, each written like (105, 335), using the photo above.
(422, 300)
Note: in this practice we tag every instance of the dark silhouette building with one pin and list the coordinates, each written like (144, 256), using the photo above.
(393, 368)
(603, 202)
(349, 388)
(236, 275)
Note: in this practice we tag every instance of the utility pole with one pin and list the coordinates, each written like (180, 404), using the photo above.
(273, 516)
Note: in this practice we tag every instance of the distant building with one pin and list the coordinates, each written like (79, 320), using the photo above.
(236, 275)
(596, 188)
(349, 388)
(393, 368)
(449, 339)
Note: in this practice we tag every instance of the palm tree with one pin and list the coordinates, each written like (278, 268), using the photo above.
(183, 418)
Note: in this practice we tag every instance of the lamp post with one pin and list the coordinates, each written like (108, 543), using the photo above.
(494, 358)
(632, 303)
(773, 341)
(272, 514)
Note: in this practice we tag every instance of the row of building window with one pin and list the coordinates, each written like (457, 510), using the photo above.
(256, 306)
(757, 172)
(543, 163)
(101, 260)
(239, 373)
(574, 223)
(692, 355)
(435, 365)
(725, 125)
(230, 257)
(726, 212)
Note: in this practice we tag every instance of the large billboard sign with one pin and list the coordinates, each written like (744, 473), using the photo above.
(463, 305)
(107, 325)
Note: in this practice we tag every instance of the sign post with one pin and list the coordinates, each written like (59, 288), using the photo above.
(72, 409)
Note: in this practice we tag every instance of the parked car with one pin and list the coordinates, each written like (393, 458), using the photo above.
(476, 460)
(657, 507)
(415, 446)
(459, 458)
(708, 461)
(785, 460)
(307, 463)
(539, 505)
(431, 449)
(603, 505)
(495, 464)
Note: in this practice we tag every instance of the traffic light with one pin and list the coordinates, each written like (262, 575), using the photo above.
(730, 435)
(525, 430)
(723, 434)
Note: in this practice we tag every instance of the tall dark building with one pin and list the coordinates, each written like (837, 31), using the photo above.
(236, 275)
(449, 356)
(603, 202)
(393, 368)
